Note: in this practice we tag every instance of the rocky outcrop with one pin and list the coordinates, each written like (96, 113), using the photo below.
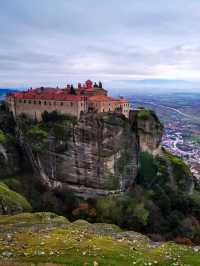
(99, 156)
(149, 130)
(9, 152)
(9, 159)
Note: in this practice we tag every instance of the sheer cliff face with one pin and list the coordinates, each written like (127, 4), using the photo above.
(9, 159)
(148, 129)
(100, 156)
(95, 156)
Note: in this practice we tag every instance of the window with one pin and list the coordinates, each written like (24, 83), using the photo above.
(24, 101)
(20, 101)
(49, 103)
(45, 103)
(54, 103)
(71, 104)
(29, 101)
(61, 103)
(34, 102)
(39, 102)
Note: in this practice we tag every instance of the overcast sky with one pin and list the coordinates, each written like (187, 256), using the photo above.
(52, 41)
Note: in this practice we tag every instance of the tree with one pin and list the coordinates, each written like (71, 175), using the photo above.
(148, 169)
(72, 90)
(38, 138)
(95, 85)
(100, 85)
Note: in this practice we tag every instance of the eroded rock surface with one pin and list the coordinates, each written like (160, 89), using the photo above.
(100, 155)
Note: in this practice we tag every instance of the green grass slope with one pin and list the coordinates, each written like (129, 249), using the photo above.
(47, 239)
(11, 201)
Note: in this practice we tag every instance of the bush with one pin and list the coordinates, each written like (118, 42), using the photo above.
(38, 138)
(144, 114)
(11, 199)
(3, 137)
(181, 171)
(183, 241)
(52, 117)
(84, 211)
(126, 211)
(147, 169)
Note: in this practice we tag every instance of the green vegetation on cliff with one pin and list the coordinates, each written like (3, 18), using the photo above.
(12, 202)
(180, 170)
(38, 138)
(3, 137)
(144, 114)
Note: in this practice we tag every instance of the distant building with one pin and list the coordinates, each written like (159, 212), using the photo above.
(69, 100)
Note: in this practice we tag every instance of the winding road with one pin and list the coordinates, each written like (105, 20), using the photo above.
(175, 110)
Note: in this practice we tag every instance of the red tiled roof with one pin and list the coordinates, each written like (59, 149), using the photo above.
(104, 98)
(100, 98)
(58, 95)
(62, 95)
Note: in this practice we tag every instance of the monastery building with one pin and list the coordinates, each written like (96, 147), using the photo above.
(87, 97)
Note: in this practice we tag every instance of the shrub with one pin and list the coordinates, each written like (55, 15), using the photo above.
(144, 114)
(126, 211)
(52, 117)
(38, 138)
(3, 137)
(179, 166)
(11, 198)
(147, 169)
(84, 211)
(183, 241)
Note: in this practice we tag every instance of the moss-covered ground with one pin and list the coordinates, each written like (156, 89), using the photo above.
(47, 239)
(10, 198)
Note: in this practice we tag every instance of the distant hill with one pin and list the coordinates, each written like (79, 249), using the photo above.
(4, 91)
(153, 86)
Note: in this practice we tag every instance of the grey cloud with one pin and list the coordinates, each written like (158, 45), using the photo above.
(44, 41)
